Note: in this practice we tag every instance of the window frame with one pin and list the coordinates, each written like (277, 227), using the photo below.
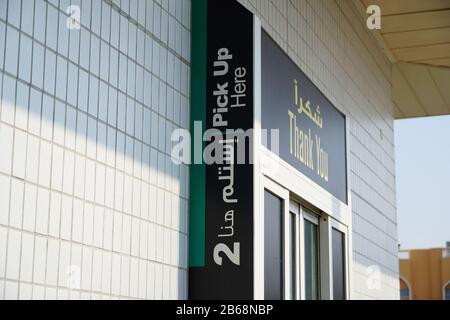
(444, 290)
(303, 212)
(334, 224)
(314, 219)
(283, 194)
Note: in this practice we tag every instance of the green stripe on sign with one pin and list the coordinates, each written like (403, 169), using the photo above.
(198, 113)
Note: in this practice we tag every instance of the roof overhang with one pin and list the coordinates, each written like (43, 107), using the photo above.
(415, 36)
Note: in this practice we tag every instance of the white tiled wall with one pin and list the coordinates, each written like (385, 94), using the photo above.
(86, 183)
(333, 47)
(91, 205)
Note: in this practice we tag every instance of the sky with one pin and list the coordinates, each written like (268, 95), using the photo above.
(422, 149)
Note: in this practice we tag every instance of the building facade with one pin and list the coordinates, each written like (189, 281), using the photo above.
(425, 274)
(92, 205)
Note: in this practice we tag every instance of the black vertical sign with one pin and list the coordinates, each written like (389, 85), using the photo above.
(224, 270)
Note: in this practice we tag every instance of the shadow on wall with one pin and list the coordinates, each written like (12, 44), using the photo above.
(96, 157)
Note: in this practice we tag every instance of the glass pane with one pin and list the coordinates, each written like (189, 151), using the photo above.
(404, 290)
(311, 261)
(273, 264)
(338, 265)
(404, 294)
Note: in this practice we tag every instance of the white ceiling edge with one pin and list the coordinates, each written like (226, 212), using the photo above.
(420, 90)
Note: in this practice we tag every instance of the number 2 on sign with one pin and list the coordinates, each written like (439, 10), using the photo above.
(233, 256)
